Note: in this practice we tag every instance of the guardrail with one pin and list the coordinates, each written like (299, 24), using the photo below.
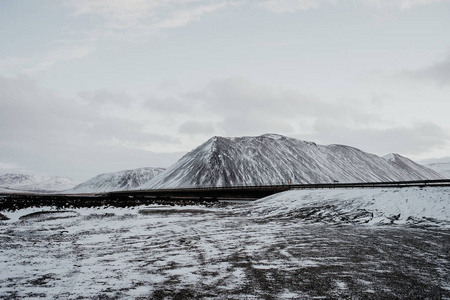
(381, 184)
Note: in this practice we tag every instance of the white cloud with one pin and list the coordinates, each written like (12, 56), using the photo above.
(287, 6)
(418, 139)
(41, 129)
(401, 4)
(62, 54)
(12, 62)
(184, 17)
(138, 18)
(438, 72)
(9, 166)
(196, 127)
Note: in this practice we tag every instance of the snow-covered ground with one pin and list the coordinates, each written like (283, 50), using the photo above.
(352, 243)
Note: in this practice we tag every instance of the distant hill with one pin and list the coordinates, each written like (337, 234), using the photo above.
(116, 181)
(442, 168)
(276, 159)
(36, 183)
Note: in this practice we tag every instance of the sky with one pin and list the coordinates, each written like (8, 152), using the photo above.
(95, 86)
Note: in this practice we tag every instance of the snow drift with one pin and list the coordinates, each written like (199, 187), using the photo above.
(275, 159)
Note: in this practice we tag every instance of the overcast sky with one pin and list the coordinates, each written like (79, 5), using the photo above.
(93, 86)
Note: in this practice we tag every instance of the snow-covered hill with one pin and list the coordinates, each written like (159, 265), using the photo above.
(116, 181)
(15, 180)
(442, 168)
(411, 167)
(427, 206)
(57, 184)
(275, 159)
(35, 183)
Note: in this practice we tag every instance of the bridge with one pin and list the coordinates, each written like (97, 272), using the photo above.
(189, 195)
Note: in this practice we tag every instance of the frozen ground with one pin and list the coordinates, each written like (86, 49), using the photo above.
(359, 244)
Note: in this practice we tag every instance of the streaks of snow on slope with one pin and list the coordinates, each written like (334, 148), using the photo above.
(374, 206)
(413, 168)
(275, 159)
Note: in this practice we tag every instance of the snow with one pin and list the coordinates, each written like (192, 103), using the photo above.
(411, 167)
(275, 159)
(297, 244)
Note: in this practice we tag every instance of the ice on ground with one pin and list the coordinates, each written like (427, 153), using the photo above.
(299, 244)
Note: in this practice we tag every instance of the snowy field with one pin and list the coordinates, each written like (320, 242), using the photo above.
(308, 244)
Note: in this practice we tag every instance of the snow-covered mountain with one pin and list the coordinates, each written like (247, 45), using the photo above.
(275, 159)
(15, 180)
(442, 168)
(36, 183)
(56, 184)
(116, 181)
(411, 167)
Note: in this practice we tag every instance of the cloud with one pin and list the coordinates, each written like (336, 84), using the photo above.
(184, 17)
(44, 130)
(195, 127)
(242, 107)
(438, 72)
(136, 19)
(293, 6)
(401, 4)
(420, 138)
(287, 6)
(105, 97)
(62, 54)
(9, 166)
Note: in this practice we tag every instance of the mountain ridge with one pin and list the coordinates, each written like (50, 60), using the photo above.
(276, 159)
(36, 182)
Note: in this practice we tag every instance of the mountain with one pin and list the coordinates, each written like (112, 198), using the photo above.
(442, 168)
(36, 183)
(15, 180)
(275, 159)
(411, 167)
(116, 181)
(56, 184)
